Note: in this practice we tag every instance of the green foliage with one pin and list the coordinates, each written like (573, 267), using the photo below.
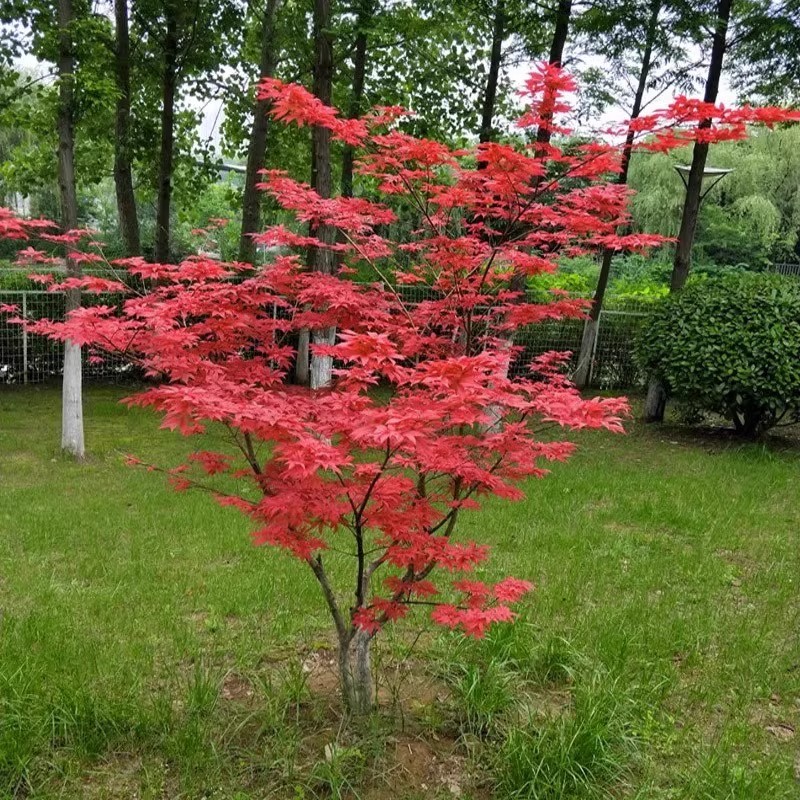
(730, 345)
(752, 216)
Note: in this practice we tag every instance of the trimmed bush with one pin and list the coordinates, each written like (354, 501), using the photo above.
(730, 345)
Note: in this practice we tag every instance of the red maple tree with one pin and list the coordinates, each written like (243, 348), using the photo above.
(420, 421)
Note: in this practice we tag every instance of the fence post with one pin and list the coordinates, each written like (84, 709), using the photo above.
(25, 338)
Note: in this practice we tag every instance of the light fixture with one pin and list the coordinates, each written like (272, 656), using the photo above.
(716, 174)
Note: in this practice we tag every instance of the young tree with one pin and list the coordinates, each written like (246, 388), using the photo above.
(377, 482)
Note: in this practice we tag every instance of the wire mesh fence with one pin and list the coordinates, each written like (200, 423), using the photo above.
(613, 364)
(28, 358)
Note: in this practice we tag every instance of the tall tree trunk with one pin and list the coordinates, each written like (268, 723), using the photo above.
(366, 9)
(320, 258)
(490, 92)
(256, 153)
(655, 404)
(583, 370)
(543, 134)
(166, 155)
(72, 395)
(559, 41)
(123, 174)
(691, 206)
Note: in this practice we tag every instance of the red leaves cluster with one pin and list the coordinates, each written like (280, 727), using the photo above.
(12, 227)
(421, 421)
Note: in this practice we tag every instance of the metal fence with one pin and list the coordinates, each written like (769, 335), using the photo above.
(613, 365)
(792, 270)
(28, 358)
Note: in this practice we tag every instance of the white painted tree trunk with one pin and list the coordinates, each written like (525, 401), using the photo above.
(322, 366)
(72, 403)
(495, 412)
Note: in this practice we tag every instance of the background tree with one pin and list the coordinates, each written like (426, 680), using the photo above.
(752, 218)
(185, 46)
(365, 13)
(257, 149)
(765, 59)
(123, 170)
(656, 394)
(71, 398)
(644, 43)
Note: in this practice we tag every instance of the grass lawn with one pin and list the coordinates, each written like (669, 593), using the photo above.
(148, 650)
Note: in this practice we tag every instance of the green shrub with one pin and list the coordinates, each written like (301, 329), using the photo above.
(730, 345)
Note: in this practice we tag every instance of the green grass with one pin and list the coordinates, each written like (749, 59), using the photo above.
(147, 649)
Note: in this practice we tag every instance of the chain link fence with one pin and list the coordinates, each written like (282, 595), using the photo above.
(28, 358)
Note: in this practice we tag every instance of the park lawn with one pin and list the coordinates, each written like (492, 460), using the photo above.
(148, 650)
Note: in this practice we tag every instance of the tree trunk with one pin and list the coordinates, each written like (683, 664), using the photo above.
(321, 258)
(490, 93)
(560, 32)
(165, 162)
(563, 14)
(123, 174)
(654, 412)
(71, 396)
(691, 206)
(256, 153)
(656, 402)
(583, 370)
(365, 11)
(355, 672)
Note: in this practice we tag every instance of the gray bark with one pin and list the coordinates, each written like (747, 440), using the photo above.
(123, 173)
(321, 258)
(256, 153)
(169, 81)
(355, 672)
(71, 397)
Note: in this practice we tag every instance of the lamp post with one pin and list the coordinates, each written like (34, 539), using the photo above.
(697, 185)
